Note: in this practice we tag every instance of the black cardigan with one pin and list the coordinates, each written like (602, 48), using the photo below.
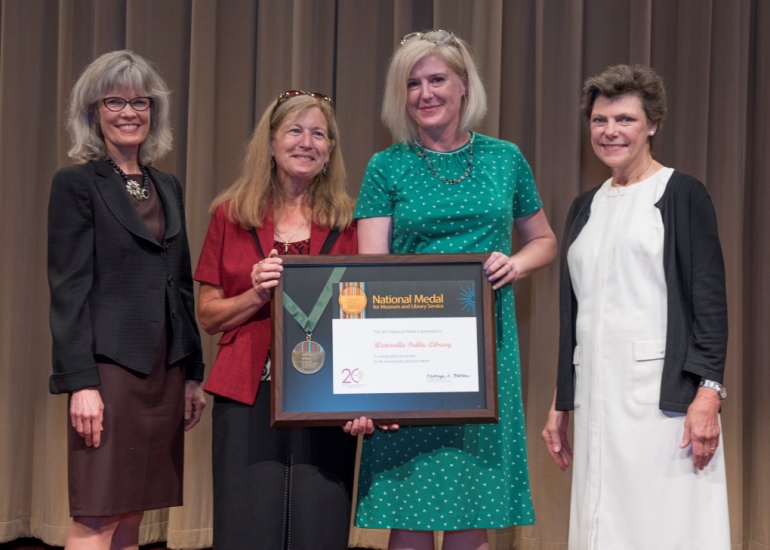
(696, 335)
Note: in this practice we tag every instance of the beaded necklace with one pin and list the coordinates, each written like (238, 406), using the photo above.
(139, 193)
(423, 152)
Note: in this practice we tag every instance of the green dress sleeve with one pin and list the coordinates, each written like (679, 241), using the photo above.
(376, 195)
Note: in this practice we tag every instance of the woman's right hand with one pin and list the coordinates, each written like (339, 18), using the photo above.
(265, 274)
(555, 436)
(87, 415)
(220, 313)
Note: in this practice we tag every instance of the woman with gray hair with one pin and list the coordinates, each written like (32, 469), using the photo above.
(444, 188)
(126, 346)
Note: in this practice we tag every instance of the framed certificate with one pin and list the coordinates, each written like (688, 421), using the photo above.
(404, 338)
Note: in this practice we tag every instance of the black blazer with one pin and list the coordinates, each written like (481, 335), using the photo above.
(113, 286)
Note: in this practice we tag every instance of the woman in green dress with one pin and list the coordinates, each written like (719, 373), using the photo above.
(443, 188)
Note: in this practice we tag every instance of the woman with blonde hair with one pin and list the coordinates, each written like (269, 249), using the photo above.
(273, 488)
(444, 188)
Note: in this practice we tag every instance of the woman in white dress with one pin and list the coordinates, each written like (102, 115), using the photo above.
(642, 341)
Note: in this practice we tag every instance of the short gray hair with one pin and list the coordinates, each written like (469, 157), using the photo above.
(118, 69)
(456, 54)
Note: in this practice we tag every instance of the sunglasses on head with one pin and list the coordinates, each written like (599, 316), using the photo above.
(438, 36)
(288, 94)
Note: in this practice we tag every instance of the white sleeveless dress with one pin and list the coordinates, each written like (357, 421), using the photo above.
(633, 487)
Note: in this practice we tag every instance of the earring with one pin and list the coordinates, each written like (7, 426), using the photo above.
(652, 133)
(325, 170)
(272, 163)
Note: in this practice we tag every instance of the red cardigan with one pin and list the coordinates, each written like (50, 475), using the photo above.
(228, 255)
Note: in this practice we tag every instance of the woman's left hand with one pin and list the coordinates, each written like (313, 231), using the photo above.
(501, 269)
(365, 426)
(538, 248)
(701, 427)
(194, 403)
(358, 426)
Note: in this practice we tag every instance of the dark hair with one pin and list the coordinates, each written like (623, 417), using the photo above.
(627, 79)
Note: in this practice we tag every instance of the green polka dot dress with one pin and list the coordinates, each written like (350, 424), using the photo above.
(452, 477)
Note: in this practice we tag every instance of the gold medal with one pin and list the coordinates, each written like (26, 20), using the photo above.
(352, 299)
(308, 357)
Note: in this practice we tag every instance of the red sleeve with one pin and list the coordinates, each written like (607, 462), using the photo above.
(226, 260)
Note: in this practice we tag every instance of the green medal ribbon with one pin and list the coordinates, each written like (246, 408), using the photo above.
(308, 322)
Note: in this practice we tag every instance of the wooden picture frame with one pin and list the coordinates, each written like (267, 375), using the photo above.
(405, 338)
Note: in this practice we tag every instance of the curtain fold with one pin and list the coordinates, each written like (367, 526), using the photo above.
(225, 61)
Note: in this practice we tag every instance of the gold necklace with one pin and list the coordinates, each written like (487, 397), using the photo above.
(288, 239)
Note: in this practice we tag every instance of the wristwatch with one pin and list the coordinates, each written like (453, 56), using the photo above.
(716, 386)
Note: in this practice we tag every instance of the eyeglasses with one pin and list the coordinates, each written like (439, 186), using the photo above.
(438, 36)
(116, 104)
(288, 94)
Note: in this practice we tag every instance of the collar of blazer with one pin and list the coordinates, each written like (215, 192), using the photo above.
(113, 191)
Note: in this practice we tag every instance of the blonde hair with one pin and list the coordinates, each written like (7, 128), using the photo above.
(257, 188)
(112, 70)
(456, 54)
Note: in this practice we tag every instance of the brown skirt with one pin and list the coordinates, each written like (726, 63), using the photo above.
(138, 465)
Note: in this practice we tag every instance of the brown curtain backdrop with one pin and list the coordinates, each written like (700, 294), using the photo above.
(225, 60)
